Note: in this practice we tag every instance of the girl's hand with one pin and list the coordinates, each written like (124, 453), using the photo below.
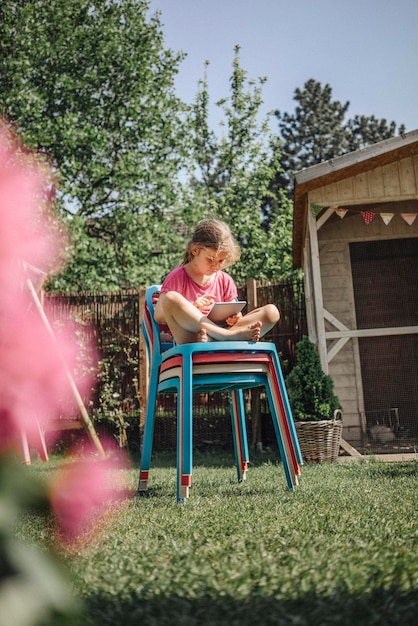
(231, 321)
(204, 302)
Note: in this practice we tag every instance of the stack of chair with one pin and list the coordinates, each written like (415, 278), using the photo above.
(231, 366)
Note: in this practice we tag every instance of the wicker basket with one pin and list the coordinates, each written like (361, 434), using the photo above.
(320, 441)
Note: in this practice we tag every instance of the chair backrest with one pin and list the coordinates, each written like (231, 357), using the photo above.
(157, 336)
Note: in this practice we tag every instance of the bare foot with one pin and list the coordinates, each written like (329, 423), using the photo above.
(248, 333)
(255, 331)
(202, 336)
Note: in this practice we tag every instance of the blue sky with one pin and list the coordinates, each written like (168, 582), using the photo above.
(366, 50)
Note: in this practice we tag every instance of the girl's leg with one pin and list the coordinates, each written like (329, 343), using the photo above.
(186, 322)
(182, 318)
(268, 315)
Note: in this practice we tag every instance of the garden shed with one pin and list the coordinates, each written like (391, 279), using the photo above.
(355, 233)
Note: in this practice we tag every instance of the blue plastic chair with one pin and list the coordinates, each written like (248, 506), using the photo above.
(231, 366)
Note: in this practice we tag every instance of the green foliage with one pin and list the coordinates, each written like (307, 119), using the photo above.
(89, 84)
(318, 131)
(315, 131)
(117, 413)
(363, 131)
(311, 392)
(278, 259)
(120, 251)
(232, 173)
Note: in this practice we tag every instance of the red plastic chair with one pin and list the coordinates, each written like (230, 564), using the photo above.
(231, 366)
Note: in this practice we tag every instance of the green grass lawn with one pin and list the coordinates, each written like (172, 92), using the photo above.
(341, 549)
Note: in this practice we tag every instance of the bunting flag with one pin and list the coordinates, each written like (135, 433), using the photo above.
(341, 212)
(368, 216)
(386, 217)
(409, 218)
(316, 209)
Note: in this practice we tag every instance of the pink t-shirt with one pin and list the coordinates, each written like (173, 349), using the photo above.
(222, 286)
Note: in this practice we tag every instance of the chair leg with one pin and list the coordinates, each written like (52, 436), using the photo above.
(289, 431)
(276, 375)
(284, 442)
(184, 431)
(239, 431)
(148, 436)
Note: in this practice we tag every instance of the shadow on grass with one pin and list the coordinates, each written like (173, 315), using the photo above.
(210, 458)
(383, 607)
(233, 491)
(379, 470)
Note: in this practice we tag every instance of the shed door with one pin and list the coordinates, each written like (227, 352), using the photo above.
(385, 282)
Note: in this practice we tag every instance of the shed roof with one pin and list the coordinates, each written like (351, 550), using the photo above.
(337, 169)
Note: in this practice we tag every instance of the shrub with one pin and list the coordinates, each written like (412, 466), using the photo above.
(311, 391)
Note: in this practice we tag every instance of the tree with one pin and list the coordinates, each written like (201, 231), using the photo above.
(363, 131)
(315, 131)
(318, 131)
(89, 85)
(232, 173)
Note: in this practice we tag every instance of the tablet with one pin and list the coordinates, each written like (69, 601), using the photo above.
(221, 310)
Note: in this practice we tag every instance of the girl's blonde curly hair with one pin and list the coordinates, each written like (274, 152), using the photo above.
(213, 234)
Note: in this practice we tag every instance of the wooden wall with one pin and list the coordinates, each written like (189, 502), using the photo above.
(334, 238)
(392, 182)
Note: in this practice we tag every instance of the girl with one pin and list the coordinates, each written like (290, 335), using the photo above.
(188, 292)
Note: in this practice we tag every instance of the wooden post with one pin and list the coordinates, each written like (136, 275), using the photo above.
(251, 294)
(255, 393)
(317, 291)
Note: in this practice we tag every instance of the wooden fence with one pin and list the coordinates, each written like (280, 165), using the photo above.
(112, 323)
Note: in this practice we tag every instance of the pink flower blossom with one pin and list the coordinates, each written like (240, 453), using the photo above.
(33, 373)
(34, 363)
(27, 231)
(79, 494)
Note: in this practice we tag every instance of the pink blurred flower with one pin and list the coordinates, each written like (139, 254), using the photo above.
(27, 231)
(34, 363)
(33, 373)
(79, 494)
